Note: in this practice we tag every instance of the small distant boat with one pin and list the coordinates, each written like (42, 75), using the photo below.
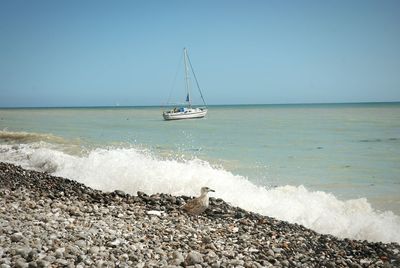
(187, 111)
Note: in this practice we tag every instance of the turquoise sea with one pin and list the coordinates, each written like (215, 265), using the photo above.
(334, 168)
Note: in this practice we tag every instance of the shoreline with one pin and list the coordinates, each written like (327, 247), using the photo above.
(51, 221)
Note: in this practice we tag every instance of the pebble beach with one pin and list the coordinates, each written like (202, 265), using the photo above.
(48, 221)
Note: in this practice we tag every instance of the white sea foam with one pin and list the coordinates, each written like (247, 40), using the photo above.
(133, 170)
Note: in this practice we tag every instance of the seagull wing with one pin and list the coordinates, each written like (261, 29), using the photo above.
(194, 206)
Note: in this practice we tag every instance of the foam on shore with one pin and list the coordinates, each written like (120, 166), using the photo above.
(133, 170)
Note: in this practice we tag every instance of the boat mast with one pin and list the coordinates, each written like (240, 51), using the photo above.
(187, 78)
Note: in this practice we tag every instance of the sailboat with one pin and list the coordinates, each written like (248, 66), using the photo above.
(187, 111)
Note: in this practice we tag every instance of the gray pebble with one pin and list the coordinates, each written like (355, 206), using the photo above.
(17, 237)
(193, 257)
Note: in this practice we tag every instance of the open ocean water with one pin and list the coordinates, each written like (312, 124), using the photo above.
(334, 168)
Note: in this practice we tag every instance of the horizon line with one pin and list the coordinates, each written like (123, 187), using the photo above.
(211, 105)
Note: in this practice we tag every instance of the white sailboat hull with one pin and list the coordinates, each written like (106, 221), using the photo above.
(187, 113)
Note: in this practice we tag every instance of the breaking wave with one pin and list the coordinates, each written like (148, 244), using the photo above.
(132, 170)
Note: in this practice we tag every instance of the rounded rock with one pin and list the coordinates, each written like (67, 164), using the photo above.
(17, 237)
(193, 258)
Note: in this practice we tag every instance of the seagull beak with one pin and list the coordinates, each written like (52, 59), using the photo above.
(211, 190)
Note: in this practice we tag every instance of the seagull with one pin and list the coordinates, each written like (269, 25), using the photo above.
(199, 204)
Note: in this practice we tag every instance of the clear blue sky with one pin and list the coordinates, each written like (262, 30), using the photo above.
(89, 53)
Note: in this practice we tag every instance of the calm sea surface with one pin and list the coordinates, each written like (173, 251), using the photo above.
(346, 152)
